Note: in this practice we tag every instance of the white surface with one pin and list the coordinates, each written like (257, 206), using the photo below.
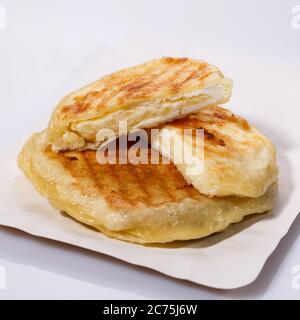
(228, 260)
(48, 47)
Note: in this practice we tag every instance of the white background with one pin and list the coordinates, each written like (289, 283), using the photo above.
(52, 47)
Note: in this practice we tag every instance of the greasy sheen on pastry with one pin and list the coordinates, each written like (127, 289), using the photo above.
(235, 158)
(137, 203)
(144, 96)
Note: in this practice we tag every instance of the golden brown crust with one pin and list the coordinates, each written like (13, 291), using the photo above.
(161, 81)
(123, 186)
(216, 123)
(237, 158)
(208, 118)
(144, 204)
(159, 78)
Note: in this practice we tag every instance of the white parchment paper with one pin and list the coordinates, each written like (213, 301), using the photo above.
(227, 260)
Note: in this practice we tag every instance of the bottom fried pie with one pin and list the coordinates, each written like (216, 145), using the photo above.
(145, 203)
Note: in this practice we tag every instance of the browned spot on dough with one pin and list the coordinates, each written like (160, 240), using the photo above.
(209, 135)
(127, 185)
(174, 60)
(222, 143)
(81, 103)
(137, 88)
(243, 123)
(75, 108)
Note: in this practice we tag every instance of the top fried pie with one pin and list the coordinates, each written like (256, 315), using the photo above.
(144, 96)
